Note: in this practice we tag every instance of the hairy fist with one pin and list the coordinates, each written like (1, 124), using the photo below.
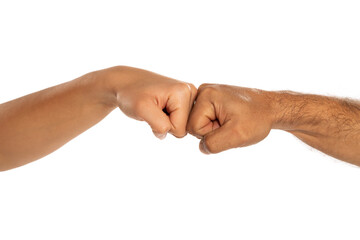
(227, 117)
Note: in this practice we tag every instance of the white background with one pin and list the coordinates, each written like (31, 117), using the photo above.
(117, 181)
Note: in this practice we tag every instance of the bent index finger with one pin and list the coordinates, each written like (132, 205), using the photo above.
(179, 106)
(156, 118)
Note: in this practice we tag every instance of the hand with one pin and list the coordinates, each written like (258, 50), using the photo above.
(164, 103)
(227, 117)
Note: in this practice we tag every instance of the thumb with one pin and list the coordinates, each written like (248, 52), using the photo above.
(157, 119)
(220, 139)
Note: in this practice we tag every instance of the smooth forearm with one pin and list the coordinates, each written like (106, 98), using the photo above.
(37, 124)
(329, 124)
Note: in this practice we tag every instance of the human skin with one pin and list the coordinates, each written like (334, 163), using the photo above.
(227, 117)
(37, 124)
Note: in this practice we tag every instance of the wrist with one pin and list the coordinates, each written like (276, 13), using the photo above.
(295, 111)
(279, 114)
(111, 82)
(97, 86)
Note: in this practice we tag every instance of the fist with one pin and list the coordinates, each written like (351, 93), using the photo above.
(225, 117)
(164, 103)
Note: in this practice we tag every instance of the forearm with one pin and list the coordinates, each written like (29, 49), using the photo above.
(329, 124)
(37, 124)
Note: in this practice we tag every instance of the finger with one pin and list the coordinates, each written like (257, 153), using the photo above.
(205, 85)
(157, 119)
(221, 139)
(202, 119)
(178, 118)
(179, 107)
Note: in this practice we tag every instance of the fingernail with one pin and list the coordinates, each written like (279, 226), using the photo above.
(203, 147)
(160, 136)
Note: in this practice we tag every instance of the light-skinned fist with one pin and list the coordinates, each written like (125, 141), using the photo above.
(164, 103)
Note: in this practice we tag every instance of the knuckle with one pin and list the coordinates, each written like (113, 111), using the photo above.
(209, 90)
(185, 90)
(162, 129)
(180, 135)
(179, 132)
(192, 87)
(204, 85)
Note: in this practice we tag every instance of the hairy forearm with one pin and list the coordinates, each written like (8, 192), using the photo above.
(329, 124)
(37, 124)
